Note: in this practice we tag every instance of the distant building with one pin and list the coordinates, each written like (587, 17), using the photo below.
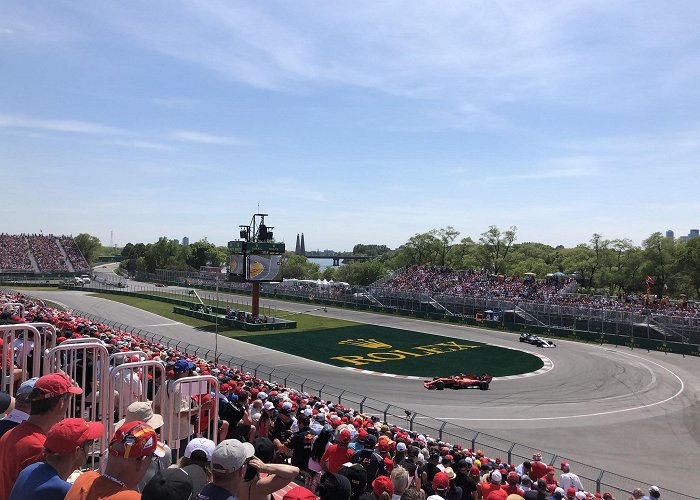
(303, 246)
(683, 238)
(669, 234)
(694, 233)
(185, 241)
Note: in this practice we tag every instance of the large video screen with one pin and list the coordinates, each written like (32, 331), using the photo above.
(263, 268)
(236, 265)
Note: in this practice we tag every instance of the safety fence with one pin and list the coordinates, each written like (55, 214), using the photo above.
(593, 478)
(630, 334)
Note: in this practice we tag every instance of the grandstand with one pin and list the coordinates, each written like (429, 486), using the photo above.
(40, 254)
(139, 365)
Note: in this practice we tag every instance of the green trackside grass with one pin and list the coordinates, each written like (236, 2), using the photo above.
(36, 288)
(367, 347)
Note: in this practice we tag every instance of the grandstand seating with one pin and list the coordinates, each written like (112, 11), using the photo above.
(70, 341)
(51, 254)
(444, 281)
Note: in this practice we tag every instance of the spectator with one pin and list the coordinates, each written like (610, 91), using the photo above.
(173, 484)
(20, 413)
(67, 446)
(357, 475)
(539, 491)
(455, 492)
(413, 494)
(228, 467)
(263, 478)
(333, 487)
(299, 445)
(636, 494)
(511, 487)
(400, 481)
(382, 489)
(131, 450)
(24, 445)
(654, 492)
(196, 461)
(320, 444)
(337, 454)
(439, 486)
(299, 493)
(370, 459)
(7, 403)
(568, 479)
(538, 468)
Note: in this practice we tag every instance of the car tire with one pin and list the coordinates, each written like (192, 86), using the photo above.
(484, 386)
(440, 386)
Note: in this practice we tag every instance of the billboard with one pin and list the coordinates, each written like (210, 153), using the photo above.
(236, 265)
(261, 268)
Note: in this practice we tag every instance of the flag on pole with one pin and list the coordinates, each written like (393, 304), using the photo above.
(649, 280)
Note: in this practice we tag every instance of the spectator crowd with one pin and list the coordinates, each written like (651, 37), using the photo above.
(272, 440)
(554, 291)
(16, 252)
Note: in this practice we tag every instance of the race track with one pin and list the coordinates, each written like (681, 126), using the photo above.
(631, 412)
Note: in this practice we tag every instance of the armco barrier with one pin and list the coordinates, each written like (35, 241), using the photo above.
(593, 478)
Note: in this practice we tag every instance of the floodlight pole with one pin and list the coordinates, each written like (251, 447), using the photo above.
(216, 326)
(255, 305)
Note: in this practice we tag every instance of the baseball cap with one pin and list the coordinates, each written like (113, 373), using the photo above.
(262, 395)
(268, 405)
(182, 366)
(571, 493)
(345, 436)
(69, 433)
(564, 463)
(135, 440)
(382, 484)
(654, 489)
(141, 411)
(513, 477)
(25, 389)
(52, 385)
(474, 471)
(299, 493)
(496, 477)
(370, 441)
(173, 484)
(441, 481)
(580, 495)
(200, 444)
(231, 455)
(401, 446)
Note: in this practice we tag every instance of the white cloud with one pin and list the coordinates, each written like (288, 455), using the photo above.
(67, 126)
(138, 144)
(204, 138)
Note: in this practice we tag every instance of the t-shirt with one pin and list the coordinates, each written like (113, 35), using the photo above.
(538, 470)
(300, 444)
(19, 448)
(487, 488)
(498, 494)
(93, 486)
(214, 492)
(336, 455)
(182, 427)
(535, 495)
(372, 462)
(513, 489)
(40, 480)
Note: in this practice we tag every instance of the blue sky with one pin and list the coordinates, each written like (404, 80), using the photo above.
(357, 122)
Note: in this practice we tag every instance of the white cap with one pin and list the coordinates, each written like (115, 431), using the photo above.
(268, 405)
(231, 455)
(496, 477)
(308, 412)
(401, 446)
(262, 395)
(201, 444)
(287, 405)
(580, 495)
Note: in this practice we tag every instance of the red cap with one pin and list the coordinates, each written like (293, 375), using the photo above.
(571, 493)
(135, 440)
(55, 384)
(345, 436)
(550, 468)
(382, 484)
(513, 477)
(474, 471)
(299, 493)
(441, 481)
(69, 433)
(564, 463)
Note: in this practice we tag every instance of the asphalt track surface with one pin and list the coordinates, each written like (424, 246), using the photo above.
(630, 412)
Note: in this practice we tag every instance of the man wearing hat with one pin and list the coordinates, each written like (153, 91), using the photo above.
(131, 451)
(568, 479)
(173, 484)
(142, 411)
(20, 413)
(7, 403)
(67, 446)
(24, 445)
(538, 491)
(370, 459)
(654, 493)
(338, 453)
(511, 486)
(228, 463)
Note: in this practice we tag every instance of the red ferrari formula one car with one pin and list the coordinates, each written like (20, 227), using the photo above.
(461, 381)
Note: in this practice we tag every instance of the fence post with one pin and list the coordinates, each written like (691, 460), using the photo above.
(362, 404)
(340, 397)
(510, 453)
(474, 440)
(410, 422)
(320, 391)
(441, 429)
(599, 480)
(302, 384)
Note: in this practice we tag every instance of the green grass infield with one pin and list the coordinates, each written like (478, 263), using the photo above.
(400, 352)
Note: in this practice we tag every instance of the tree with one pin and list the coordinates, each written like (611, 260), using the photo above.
(422, 248)
(495, 246)
(446, 236)
(298, 267)
(659, 257)
(361, 273)
(690, 263)
(370, 250)
(89, 246)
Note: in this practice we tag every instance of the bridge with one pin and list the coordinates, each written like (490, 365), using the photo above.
(338, 257)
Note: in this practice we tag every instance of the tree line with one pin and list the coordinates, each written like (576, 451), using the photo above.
(601, 265)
